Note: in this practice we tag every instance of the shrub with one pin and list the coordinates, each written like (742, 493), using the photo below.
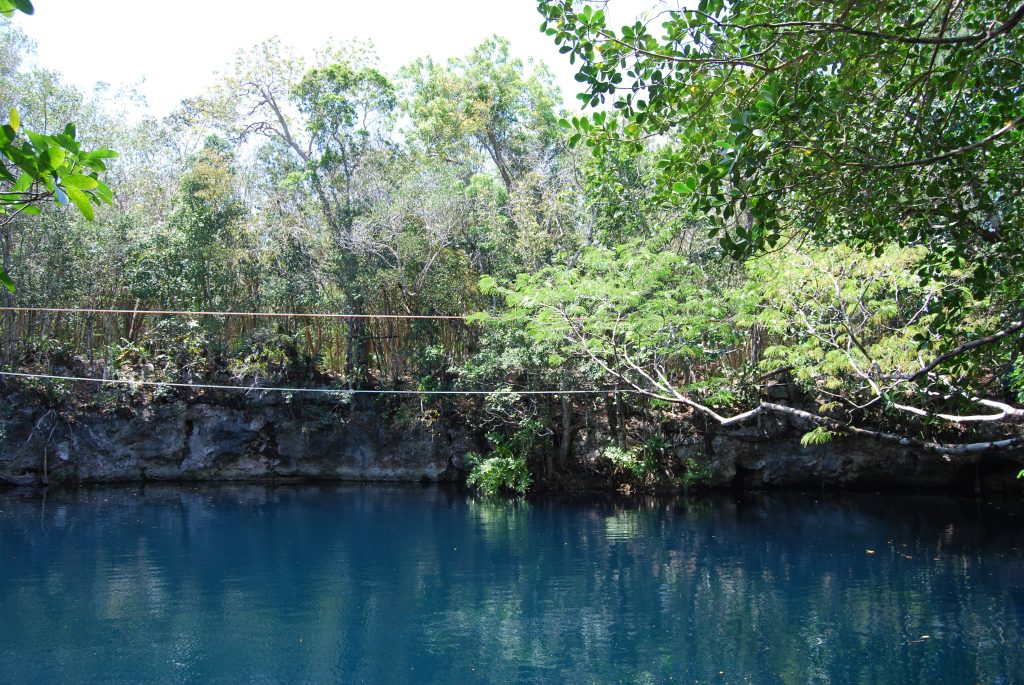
(636, 461)
(498, 473)
(506, 468)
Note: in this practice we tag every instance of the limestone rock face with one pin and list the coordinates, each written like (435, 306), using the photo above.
(782, 462)
(179, 441)
(272, 438)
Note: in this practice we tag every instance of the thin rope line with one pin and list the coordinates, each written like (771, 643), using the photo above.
(333, 391)
(174, 312)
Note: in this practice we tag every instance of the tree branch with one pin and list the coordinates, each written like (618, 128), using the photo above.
(945, 155)
(955, 352)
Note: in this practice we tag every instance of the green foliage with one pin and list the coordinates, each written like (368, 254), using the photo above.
(695, 474)
(1016, 380)
(846, 323)
(817, 436)
(650, 465)
(846, 123)
(486, 103)
(266, 356)
(347, 109)
(623, 309)
(637, 462)
(35, 167)
(48, 393)
(498, 473)
(505, 469)
(8, 7)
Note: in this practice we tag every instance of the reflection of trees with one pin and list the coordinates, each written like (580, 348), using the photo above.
(396, 584)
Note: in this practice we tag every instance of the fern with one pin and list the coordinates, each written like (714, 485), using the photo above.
(818, 436)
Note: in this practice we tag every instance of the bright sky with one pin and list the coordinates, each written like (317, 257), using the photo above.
(171, 54)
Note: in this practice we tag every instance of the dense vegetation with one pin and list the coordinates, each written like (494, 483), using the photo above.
(766, 199)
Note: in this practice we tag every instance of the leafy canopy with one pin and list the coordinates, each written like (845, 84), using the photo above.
(868, 123)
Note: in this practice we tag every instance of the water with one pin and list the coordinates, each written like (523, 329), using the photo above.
(386, 585)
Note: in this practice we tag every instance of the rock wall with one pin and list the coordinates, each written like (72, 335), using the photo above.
(776, 459)
(251, 440)
(274, 438)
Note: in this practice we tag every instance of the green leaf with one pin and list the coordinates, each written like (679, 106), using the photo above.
(40, 142)
(104, 193)
(15, 119)
(94, 164)
(23, 184)
(817, 436)
(67, 142)
(53, 158)
(103, 154)
(685, 187)
(26, 164)
(80, 182)
(81, 201)
(6, 280)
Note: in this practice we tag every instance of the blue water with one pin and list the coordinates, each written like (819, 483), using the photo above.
(245, 584)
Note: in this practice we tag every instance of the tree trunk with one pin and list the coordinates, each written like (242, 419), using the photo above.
(620, 411)
(566, 442)
(495, 151)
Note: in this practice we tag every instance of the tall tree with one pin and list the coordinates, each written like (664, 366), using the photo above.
(484, 102)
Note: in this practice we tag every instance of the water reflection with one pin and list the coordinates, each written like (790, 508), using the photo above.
(321, 584)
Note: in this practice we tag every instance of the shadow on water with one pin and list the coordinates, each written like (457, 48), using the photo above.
(325, 582)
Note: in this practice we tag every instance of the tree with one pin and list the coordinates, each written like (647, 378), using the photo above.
(347, 109)
(842, 324)
(873, 126)
(867, 123)
(334, 119)
(483, 102)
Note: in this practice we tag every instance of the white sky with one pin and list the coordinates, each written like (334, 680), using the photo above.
(170, 54)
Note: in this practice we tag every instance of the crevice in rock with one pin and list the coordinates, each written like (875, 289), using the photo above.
(743, 479)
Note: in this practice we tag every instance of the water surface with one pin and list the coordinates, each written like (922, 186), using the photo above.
(250, 584)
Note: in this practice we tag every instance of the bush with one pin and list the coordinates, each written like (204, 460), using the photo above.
(498, 473)
(636, 461)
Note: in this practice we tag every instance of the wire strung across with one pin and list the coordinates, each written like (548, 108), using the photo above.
(277, 315)
(326, 391)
